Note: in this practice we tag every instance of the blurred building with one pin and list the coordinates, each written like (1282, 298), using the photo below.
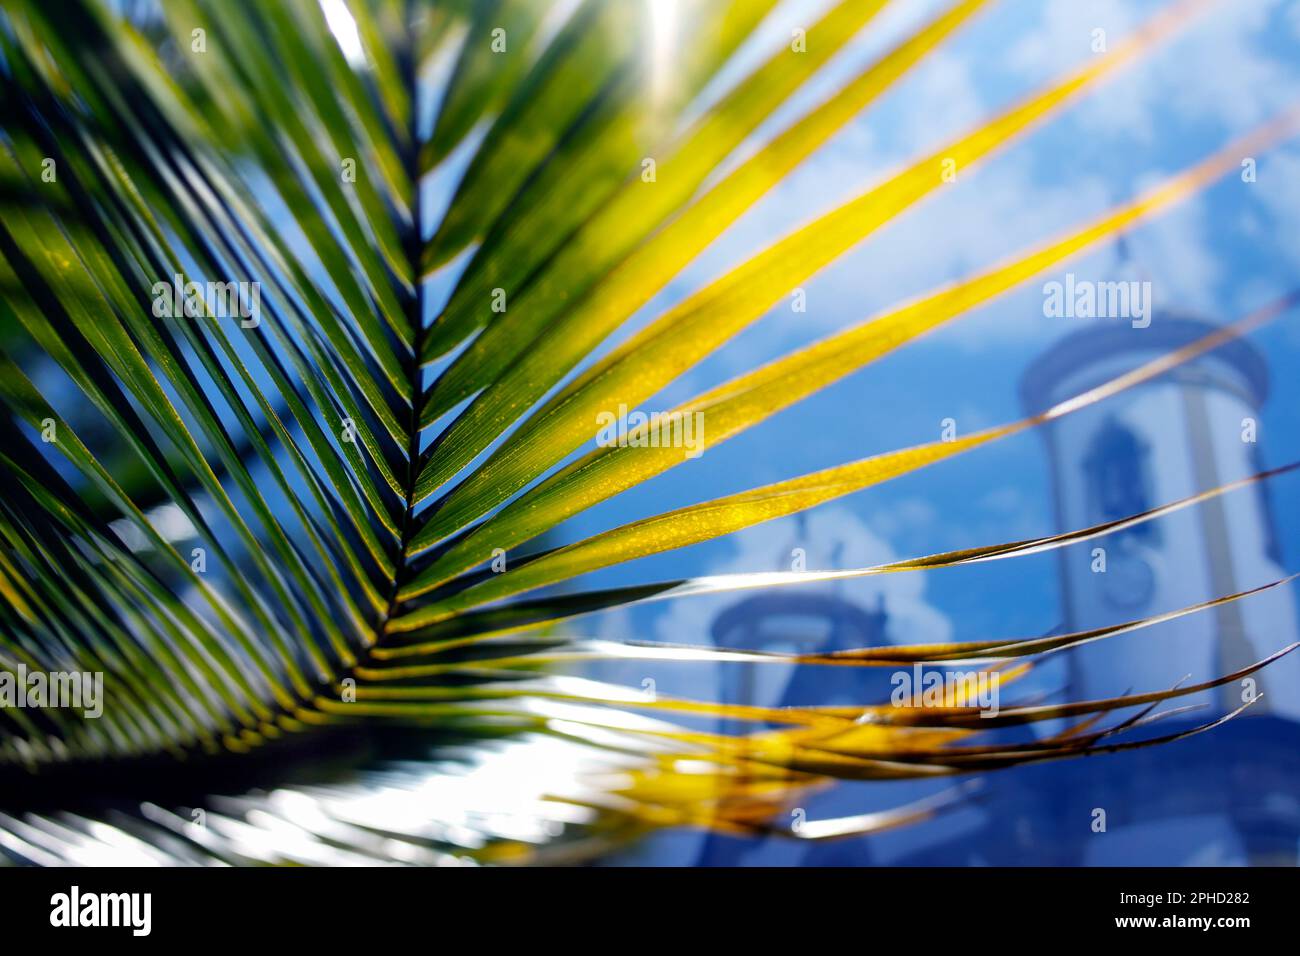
(1225, 794)
(1190, 430)
(793, 621)
(797, 622)
(1226, 797)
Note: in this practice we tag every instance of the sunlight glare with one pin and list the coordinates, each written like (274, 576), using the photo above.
(665, 21)
(344, 28)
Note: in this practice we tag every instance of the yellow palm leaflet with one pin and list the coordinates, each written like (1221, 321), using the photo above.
(743, 402)
(721, 516)
(731, 783)
(633, 212)
(726, 306)
(583, 185)
(415, 701)
(513, 619)
(739, 784)
(891, 655)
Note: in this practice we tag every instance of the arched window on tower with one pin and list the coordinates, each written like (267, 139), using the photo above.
(1119, 477)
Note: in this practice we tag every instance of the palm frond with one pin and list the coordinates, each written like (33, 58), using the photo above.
(255, 472)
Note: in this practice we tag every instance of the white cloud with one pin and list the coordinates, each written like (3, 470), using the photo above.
(1213, 69)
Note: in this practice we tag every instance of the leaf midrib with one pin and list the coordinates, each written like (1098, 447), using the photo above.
(413, 248)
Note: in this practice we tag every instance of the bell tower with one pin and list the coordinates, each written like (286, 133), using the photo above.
(1190, 430)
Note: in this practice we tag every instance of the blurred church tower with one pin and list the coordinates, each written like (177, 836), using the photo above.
(1195, 428)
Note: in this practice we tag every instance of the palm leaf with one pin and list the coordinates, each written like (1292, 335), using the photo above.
(345, 651)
